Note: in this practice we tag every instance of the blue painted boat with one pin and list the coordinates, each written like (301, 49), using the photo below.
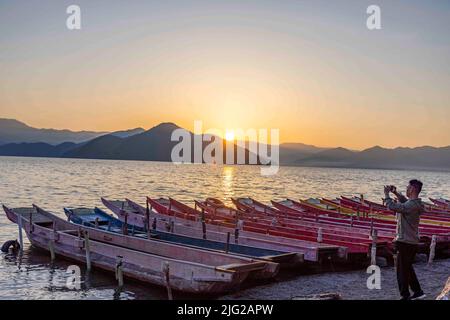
(98, 218)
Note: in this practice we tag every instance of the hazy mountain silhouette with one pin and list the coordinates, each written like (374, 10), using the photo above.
(13, 131)
(155, 145)
(420, 158)
(152, 145)
(291, 153)
(127, 133)
(38, 149)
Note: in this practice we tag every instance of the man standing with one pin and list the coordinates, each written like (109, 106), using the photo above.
(408, 210)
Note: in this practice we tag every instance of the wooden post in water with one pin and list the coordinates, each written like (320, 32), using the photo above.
(119, 271)
(351, 220)
(87, 248)
(147, 217)
(432, 249)
(203, 224)
(227, 247)
(96, 223)
(166, 271)
(125, 225)
(373, 249)
(19, 223)
(319, 235)
(31, 222)
(51, 248)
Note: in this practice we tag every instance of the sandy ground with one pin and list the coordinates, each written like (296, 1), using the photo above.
(351, 284)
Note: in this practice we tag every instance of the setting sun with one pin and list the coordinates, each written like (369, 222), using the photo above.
(229, 135)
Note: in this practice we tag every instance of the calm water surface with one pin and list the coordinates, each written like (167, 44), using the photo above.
(54, 183)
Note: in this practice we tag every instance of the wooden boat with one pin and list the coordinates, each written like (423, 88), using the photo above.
(91, 217)
(384, 227)
(441, 203)
(381, 212)
(50, 233)
(187, 222)
(251, 205)
(355, 244)
(429, 214)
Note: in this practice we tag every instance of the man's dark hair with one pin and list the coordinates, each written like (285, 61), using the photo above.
(417, 185)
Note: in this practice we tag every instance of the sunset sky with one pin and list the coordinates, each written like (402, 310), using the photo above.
(310, 68)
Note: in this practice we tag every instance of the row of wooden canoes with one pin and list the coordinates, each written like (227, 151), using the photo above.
(142, 256)
(213, 248)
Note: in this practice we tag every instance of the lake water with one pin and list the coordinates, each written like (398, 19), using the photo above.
(54, 183)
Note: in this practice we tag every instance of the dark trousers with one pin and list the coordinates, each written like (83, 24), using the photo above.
(406, 277)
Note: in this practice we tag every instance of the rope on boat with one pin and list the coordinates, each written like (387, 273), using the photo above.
(432, 249)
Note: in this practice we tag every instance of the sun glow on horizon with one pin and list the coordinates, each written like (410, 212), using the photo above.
(229, 135)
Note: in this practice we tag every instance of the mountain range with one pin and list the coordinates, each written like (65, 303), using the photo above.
(18, 139)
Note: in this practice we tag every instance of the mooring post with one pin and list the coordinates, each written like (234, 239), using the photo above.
(319, 235)
(31, 222)
(147, 216)
(227, 247)
(154, 224)
(19, 223)
(351, 220)
(51, 248)
(88, 250)
(166, 271)
(203, 224)
(96, 223)
(373, 250)
(119, 271)
(236, 235)
(432, 249)
(125, 225)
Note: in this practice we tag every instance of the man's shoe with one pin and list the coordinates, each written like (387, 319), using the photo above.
(418, 295)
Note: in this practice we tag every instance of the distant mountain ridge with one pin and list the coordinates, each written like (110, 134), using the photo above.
(155, 145)
(419, 158)
(13, 131)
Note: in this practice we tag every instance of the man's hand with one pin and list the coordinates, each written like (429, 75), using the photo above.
(387, 189)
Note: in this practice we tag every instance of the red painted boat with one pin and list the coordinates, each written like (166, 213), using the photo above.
(188, 224)
(355, 244)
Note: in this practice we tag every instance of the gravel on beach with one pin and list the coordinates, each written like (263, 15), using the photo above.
(351, 285)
